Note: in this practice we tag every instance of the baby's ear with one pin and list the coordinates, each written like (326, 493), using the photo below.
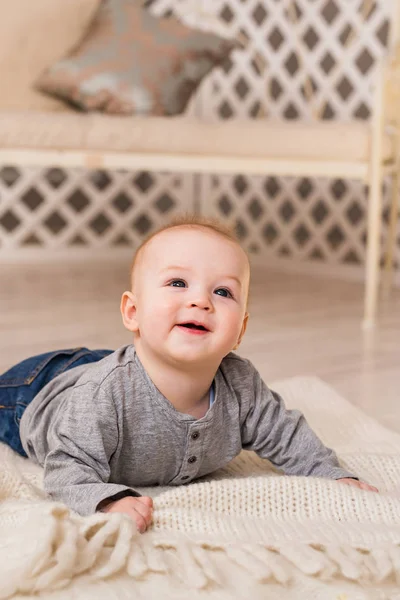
(128, 311)
(242, 331)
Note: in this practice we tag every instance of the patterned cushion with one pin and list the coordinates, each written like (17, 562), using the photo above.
(132, 62)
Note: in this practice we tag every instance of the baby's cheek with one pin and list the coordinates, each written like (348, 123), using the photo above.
(153, 320)
(232, 329)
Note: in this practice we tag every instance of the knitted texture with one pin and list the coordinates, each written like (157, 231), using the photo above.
(229, 535)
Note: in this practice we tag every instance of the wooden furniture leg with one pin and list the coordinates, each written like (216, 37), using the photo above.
(392, 233)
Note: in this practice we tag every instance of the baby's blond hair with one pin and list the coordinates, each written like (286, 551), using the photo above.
(194, 221)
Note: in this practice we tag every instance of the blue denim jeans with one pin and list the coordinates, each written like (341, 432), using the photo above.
(20, 384)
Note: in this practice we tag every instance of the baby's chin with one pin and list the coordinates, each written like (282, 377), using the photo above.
(185, 356)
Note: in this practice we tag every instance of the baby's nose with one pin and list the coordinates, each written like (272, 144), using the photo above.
(201, 301)
(203, 305)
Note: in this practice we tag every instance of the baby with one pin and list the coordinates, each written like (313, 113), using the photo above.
(172, 407)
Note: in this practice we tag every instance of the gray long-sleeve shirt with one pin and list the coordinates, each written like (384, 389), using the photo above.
(101, 429)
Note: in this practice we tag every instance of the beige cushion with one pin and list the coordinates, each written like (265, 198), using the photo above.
(34, 34)
(131, 62)
(171, 135)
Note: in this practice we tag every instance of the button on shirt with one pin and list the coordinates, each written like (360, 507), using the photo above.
(101, 429)
(194, 435)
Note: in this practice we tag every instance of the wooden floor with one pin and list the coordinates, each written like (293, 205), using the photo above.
(299, 325)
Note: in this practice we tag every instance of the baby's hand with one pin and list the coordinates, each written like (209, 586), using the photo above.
(139, 509)
(359, 484)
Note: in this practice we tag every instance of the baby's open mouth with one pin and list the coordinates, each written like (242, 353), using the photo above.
(193, 325)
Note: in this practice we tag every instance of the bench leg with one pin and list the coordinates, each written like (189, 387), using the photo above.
(392, 233)
(373, 245)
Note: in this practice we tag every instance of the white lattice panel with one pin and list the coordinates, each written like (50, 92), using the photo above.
(334, 46)
(331, 41)
(61, 208)
(318, 219)
(303, 218)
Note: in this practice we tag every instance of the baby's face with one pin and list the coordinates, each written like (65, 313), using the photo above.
(191, 288)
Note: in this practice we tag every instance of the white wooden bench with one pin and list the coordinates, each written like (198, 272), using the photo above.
(366, 151)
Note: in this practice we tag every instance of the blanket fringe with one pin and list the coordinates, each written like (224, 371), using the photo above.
(137, 565)
(52, 570)
(279, 564)
(346, 560)
(191, 569)
(274, 567)
(112, 546)
(116, 539)
(204, 559)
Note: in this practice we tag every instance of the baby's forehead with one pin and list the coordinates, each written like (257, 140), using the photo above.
(182, 242)
(190, 246)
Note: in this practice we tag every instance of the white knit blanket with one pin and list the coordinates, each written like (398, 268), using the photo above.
(245, 532)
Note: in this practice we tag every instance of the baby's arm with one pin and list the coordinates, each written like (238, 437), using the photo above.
(81, 441)
(285, 438)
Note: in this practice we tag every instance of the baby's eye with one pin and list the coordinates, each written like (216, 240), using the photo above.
(177, 283)
(223, 292)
